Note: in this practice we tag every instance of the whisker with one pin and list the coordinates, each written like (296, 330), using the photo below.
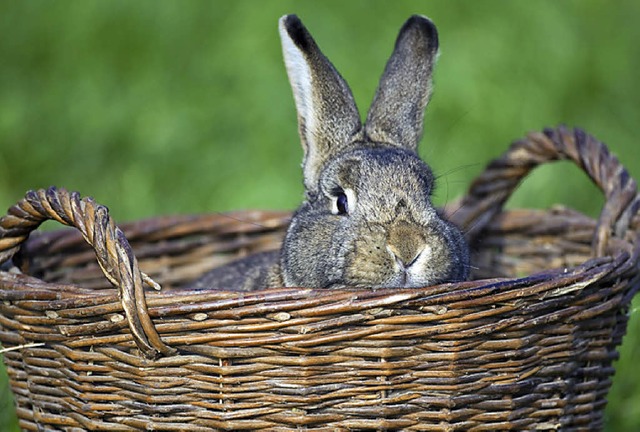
(457, 169)
(459, 119)
(237, 219)
(449, 214)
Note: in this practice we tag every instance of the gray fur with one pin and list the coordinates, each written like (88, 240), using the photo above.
(328, 118)
(367, 220)
(245, 274)
(397, 111)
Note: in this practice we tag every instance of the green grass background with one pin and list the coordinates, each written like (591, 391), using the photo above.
(166, 107)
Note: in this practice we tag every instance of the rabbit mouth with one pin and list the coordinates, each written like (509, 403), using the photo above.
(402, 279)
(429, 267)
(409, 270)
(406, 278)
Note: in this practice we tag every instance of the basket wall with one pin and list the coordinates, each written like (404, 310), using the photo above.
(498, 356)
(528, 344)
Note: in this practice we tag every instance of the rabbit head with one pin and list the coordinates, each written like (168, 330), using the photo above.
(367, 219)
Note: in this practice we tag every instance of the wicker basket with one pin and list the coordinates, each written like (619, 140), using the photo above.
(527, 345)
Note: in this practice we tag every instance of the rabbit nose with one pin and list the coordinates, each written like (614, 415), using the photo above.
(406, 242)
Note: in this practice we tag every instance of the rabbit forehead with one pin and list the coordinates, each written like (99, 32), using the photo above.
(379, 171)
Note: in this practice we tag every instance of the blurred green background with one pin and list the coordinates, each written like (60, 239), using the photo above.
(166, 107)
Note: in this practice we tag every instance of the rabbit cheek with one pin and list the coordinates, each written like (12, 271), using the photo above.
(458, 255)
(368, 262)
(432, 267)
(310, 255)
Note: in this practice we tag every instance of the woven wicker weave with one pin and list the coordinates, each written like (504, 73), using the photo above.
(528, 346)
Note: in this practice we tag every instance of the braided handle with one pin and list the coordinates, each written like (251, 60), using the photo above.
(494, 186)
(112, 249)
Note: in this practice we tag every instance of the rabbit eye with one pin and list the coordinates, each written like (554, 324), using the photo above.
(342, 204)
(342, 201)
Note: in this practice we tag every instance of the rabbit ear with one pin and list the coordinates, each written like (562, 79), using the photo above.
(397, 111)
(328, 118)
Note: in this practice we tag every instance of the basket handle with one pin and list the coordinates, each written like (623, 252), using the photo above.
(112, 249)
(494, 186)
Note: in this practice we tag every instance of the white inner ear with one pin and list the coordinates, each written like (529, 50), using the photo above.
(299, 74)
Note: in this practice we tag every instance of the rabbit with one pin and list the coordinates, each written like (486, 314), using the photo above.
(367, 219)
